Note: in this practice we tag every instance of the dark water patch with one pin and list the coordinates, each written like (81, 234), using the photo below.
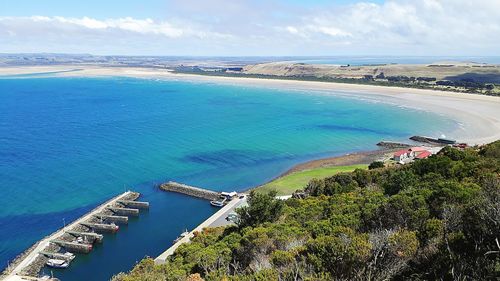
(355, 129)
(327, 113)
(233, 158)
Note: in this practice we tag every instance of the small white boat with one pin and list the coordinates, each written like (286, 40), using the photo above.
(184, 234)
(216, 203)
(55, 263)
(69, 256)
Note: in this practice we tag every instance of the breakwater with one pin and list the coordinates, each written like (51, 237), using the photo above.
(392, 144)
(189, 190)
(78, 237)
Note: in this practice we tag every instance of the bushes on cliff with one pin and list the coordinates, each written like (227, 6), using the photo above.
(437, 219)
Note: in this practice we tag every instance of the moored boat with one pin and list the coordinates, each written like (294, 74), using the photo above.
(69, 256)
(184, 234)
(217, 203)
(55, 263)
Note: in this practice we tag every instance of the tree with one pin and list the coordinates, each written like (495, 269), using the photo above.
(398, 181)
(261, 208)
(376, 165)
(315, 187)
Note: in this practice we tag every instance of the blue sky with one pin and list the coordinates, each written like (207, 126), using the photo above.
(118, 8)
(246, 27)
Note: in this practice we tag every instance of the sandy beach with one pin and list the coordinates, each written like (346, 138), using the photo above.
(478, 116)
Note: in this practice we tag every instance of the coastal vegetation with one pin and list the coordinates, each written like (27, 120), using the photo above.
(481, 79)
(435, 219)
(289, 183)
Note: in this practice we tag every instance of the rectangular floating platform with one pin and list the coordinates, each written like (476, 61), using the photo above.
(89, 235)
(73, 246)
(190, 190)
(115, 219)
(134, 204)
(124, 211)
(101, 227)
(59, 256)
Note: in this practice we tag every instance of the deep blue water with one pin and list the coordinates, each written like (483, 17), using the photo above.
(68, 144)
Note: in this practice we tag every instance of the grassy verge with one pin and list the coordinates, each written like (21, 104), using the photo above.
(286, 185)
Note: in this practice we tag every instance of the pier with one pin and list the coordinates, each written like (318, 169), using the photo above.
(59, 256)
(27, 265)
(74, 247)
(124, 211)
(190, 190)
(392, 144)
(113, 219)
(102, 227)
(91, 236)
(134, 204)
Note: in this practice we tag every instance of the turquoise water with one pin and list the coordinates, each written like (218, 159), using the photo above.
(67, 144)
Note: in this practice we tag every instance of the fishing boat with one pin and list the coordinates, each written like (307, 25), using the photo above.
(69, 256)
(55, 263)
(216, 203)
(184, 234)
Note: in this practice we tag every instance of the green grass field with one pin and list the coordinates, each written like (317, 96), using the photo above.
(288, 184)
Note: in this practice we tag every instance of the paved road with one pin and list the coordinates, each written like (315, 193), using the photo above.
(221, 220)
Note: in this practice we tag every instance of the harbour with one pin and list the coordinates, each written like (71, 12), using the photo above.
(76, 238)
(227, 156)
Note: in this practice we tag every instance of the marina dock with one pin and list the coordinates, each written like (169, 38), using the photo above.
(95, 237)
(212, 221)
(113, 219)
(77, 237)
(190, 190)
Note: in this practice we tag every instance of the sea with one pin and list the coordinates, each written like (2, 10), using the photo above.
(67, 144)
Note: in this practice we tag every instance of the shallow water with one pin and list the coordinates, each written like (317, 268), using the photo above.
(72, 142)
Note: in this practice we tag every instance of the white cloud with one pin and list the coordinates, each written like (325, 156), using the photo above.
(412, 27)
(292, 29)
(141, 26)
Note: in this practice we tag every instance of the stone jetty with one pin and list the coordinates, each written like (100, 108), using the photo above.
(190, 190)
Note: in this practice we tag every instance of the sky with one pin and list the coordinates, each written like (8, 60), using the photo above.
(252, 27)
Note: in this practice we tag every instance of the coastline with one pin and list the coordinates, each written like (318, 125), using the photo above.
(477, 116)
(363, 157)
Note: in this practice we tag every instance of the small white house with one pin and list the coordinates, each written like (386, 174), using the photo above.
(403, 155)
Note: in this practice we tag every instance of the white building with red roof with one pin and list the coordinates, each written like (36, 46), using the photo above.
(410, 154)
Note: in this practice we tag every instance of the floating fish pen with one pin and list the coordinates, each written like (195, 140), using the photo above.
(79, 237)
